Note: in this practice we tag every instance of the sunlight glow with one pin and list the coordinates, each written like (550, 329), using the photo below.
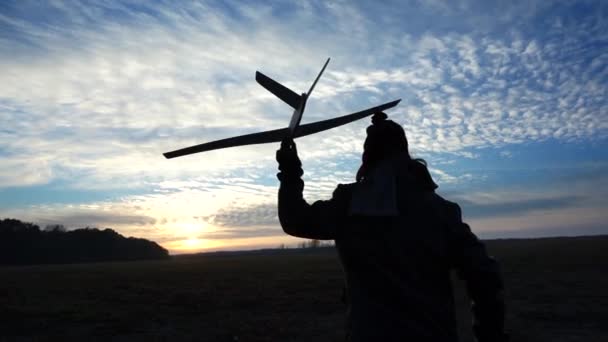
(193, 243)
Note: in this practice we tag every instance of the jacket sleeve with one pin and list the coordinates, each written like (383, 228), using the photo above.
(482, 276)
(317, 221)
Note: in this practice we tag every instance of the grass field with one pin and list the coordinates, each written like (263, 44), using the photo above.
(557, 290)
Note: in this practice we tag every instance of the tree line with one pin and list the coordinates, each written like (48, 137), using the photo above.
(312, 243)
(23, 243)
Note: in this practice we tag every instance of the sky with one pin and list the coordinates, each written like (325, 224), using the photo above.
(505, 100)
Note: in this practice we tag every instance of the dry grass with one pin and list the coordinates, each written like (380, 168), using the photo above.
(556, 292)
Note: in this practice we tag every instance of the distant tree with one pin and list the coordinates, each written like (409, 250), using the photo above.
(54, 228)
(310, 244)
(25, 243)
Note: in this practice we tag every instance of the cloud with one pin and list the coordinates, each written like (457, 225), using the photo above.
(97, 220)
(565, 221)
(243, 233)
(256, 215)
(478, 210)
(33, 171)
(120, 216)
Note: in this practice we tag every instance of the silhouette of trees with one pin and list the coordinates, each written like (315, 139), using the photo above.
(24, 243)
(54, 228)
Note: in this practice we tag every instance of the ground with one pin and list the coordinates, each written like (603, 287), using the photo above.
(556, 291)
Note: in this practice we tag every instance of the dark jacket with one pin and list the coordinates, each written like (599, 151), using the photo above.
(397, 266)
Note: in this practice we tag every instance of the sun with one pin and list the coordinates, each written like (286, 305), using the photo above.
(193, 243)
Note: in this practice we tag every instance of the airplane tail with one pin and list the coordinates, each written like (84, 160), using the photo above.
(287, 95)
(317, 79)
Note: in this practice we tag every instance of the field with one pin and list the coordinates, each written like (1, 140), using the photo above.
(556, 291)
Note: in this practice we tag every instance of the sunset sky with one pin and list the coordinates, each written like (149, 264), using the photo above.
(506, 100)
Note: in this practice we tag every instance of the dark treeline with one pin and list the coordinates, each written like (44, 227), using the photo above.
(24, 243)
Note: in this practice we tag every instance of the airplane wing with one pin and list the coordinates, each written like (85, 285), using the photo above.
(279, 134)
(287, 95)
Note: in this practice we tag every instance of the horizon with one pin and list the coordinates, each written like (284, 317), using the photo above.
(506, 102)
(305, 243)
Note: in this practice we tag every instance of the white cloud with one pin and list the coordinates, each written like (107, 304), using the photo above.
(24, 172)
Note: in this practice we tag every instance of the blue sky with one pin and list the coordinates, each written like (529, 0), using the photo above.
(506, 100)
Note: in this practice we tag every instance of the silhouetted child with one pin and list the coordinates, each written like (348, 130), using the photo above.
(398, 241)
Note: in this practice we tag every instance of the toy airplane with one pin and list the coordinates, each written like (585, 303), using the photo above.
(294, 130)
